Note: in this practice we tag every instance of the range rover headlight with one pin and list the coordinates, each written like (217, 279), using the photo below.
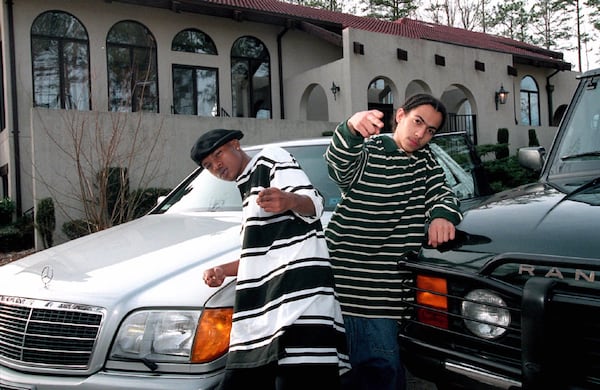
(485, 314)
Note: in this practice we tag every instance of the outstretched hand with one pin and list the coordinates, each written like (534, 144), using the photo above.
(366, 123)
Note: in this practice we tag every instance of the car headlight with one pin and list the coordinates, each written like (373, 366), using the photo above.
(177, 335)
(485, 314)
(161, 335)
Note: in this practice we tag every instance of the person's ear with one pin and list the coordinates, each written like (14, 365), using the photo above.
(400, 114)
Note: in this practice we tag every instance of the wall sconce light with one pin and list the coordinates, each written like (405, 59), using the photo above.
(500, 96)
(334, 90)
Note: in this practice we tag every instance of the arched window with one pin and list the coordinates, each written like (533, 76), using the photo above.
(530, 102)
(132, 75)
(193, 41)
(60, 62)
(250, 79)
(380, 97)
(558, 114)
(195, 88)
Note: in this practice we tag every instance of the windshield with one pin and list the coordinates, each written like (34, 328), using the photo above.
(579, 147)
(202, 192)
(205, 192)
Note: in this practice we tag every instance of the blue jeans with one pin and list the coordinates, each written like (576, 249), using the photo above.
(374, 355)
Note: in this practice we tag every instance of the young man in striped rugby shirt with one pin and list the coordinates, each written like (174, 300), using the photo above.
(392, 187)
(287, 330)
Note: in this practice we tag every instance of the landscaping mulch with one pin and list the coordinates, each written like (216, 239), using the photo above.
(7, 257)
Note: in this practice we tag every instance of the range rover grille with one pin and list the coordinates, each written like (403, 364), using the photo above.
(56, 334)
(561, 335)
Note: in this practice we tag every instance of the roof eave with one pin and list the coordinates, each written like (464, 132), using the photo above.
(541, 63)
(231, 12)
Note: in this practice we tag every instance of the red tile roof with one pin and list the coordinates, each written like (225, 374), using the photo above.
(271, 10)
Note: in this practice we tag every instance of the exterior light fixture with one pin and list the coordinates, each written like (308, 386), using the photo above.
(500, 96)
(334, 90)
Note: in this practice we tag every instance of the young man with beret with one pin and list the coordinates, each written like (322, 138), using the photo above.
(287, 330)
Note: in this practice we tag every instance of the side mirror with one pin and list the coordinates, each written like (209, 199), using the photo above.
(532, 157)
(160, 199)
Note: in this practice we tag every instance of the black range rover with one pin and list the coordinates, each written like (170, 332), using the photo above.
(514, 301)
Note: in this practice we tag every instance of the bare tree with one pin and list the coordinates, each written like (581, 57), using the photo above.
(108, 153)
(441, 12)
(469, 14)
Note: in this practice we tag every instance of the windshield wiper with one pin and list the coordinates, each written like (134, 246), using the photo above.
(586, 154)
(585, 186)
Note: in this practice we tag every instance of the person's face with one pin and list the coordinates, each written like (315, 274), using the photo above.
(416, 127)
(227, 161)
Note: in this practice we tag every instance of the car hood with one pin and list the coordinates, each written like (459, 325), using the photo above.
(155, 252)
(531, 219)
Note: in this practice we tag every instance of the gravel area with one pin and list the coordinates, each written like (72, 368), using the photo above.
(7, 257)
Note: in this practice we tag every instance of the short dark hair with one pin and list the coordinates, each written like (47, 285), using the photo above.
(422, 99)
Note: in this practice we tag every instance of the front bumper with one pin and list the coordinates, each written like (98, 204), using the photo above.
(452, 368)
(105, 380)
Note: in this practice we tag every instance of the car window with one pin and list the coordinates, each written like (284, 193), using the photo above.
(453, 154)
(313, 163)
(204, 192)
(579, 144)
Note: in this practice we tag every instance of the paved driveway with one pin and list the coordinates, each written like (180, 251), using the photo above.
(415, 383)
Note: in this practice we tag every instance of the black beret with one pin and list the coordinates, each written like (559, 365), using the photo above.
(211, 140)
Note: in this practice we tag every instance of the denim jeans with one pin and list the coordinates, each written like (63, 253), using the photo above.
(374, 355)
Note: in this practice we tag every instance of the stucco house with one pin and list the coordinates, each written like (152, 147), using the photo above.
(133, 83)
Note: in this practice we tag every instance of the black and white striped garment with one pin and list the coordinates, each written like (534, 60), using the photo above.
(286, 309)
(387, 197)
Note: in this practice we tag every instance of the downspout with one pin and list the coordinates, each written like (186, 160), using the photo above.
(280, 71)
(15, 111)
(549, 91)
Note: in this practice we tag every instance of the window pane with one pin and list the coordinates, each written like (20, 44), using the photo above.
(261, 94)
(119, 79)
(533, 108)
(380, 92)
(130, 33)
(76, 90)
(195, 91)
(250, 48)
(46, 79)
(58, 24)
(183, 91)
(206, 80)
(145, 88)
(525, 108)
(193, 41)
(239, 89)
(60, 51)
(132, 74)
(250, 79)
(528, 83)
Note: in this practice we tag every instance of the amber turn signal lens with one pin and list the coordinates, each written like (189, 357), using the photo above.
(212, 335)
(433, 293)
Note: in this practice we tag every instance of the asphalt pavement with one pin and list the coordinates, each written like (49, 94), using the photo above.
(414, 383)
